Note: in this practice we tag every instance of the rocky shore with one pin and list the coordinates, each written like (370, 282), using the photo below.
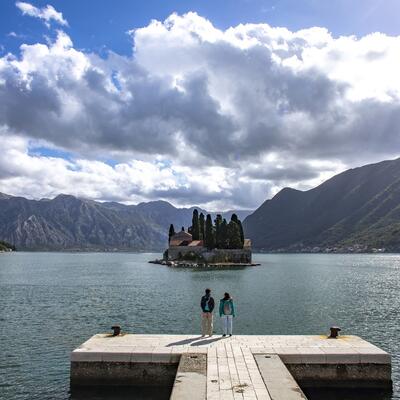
(193, 264)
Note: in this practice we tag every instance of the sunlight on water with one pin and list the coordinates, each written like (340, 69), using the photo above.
(51, 303)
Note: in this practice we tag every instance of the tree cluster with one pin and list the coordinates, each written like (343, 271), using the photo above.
(217, 234)
(5, 245)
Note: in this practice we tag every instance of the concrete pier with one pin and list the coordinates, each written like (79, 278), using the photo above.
(278, 380)
(191, 377)
(230, 368)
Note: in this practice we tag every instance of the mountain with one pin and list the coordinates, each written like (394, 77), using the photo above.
(359, 207)
(71, 223)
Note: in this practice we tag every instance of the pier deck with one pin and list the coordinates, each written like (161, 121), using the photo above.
(234, 369)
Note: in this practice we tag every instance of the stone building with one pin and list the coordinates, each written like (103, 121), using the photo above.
(181, 247)
(181, 238)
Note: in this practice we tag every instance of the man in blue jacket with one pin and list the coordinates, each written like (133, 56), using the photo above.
(207, 307)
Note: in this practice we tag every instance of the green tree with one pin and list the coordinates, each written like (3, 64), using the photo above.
(235, 218)
(171, 232)
(209, 240)
(234, 241)
(241, 233)
(5, 245)
(201, 226)
(195, 225)
(218, 222)
(224, 235)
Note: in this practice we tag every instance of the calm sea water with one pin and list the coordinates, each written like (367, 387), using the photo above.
(52, 302)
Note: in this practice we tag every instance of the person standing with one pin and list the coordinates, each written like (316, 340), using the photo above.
(207, 306)
(227, 313)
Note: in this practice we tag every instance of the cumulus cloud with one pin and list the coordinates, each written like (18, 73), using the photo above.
(25, 172)
(235, 114)
(47, 14)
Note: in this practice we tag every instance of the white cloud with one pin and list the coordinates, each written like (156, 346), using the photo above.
(30, 174)
(47, 14)
(234, 114)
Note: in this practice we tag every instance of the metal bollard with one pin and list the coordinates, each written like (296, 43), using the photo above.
(116, 330)
(334, 332)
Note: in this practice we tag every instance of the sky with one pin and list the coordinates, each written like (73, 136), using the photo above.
(218, 104)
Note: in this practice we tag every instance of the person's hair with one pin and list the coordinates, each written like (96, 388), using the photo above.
(227, 295)
(208, 291)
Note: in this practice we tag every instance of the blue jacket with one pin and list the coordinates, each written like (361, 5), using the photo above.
(222, 303)
(210, 304)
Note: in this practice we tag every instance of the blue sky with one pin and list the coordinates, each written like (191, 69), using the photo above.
(96, 25)
(220, 105)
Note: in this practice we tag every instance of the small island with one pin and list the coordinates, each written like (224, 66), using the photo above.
(208, 243)
(6, 247)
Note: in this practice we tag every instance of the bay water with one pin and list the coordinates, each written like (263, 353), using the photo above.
(50, 303)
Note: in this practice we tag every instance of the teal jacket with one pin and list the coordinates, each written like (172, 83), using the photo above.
(222, 304)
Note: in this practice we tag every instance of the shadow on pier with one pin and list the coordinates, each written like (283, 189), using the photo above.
(195, 341)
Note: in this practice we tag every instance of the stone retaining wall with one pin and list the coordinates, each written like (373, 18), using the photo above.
(174, 251)
(239, 256)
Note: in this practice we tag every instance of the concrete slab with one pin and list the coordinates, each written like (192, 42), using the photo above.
(279, 344)
(162, 355)
(278, 380)
(233, 374)
(190, 381)
(115, 356)
(232, 370)
(86, 355)
(143, 355)
(312, 355)
(336, 355)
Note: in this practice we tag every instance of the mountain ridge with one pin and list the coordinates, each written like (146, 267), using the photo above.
(67, 222)
(357, 208)
(360, 206)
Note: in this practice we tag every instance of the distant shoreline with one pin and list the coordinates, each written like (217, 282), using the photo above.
(81, 251)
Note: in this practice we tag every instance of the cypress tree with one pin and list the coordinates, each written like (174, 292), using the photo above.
(202, 227)
(195, 225)
(224, 235)
(209, 240)
(241, 233)
(171, 232)
(235, 218)
(234, 241)
(218, 222)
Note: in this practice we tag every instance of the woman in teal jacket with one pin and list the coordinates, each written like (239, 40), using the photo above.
(227, 313)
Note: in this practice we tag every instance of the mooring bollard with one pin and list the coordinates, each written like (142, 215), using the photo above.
(334, 332)
(116, 330)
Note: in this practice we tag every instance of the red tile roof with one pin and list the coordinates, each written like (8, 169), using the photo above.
(182, 235)
(196, 243)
